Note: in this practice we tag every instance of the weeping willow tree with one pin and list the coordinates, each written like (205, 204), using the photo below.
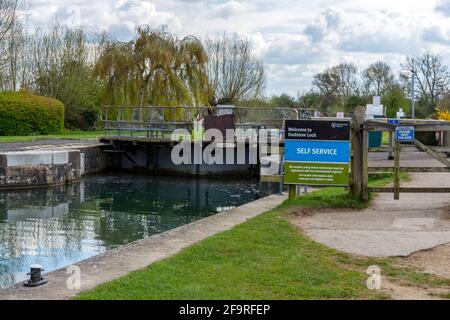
(156, 68)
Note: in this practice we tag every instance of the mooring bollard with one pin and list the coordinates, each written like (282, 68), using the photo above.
(36, 278)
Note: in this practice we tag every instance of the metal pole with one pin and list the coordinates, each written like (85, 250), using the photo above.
(413, 111)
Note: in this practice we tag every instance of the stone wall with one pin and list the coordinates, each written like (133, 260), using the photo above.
(34, 168)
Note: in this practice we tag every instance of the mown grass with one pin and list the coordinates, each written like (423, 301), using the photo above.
(69, 135)
(385, 138)
(264, 258)
(339, 197)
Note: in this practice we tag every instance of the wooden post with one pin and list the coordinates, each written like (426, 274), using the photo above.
(292, 191)
(357, 151)
(391, 145)
(397, 171)
(365, 165)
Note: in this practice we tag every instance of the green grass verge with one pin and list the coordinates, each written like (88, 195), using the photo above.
(69, 135)
(263, 258)
(385, 139)
(339, 197)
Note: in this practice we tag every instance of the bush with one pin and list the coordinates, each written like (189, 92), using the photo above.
(23, 114)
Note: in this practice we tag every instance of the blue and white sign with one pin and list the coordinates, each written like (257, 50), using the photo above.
(404, 134)
(317, 151)
(394, 121)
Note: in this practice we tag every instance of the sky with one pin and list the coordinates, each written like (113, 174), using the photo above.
(295, 38)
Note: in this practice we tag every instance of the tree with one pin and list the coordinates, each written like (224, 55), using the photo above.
(354, 101)
(234, 73)
(394, 99)
(308, 100)
(9, 29)
(62, 68)
(336, 85)
(8, 16)
(155, 68)
(431, 76)
(378, 78)
(284, 101)
(348, 84)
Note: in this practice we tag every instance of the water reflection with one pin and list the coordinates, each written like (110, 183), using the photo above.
(60, 226)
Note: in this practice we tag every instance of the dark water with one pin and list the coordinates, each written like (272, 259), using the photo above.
(61, 226)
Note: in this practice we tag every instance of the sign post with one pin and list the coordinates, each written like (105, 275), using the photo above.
(317, 153)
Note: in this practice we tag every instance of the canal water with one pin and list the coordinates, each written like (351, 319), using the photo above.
(58, 227)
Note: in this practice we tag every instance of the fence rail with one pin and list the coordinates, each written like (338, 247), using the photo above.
(360, 167)
(160, 121)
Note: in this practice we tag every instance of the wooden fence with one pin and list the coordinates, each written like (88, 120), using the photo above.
(360, 155)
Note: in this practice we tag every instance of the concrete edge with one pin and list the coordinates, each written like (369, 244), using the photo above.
(118, 262)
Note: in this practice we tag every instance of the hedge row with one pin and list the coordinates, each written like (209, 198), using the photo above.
(23, 114)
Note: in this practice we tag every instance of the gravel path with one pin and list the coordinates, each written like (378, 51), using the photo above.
(388, 227)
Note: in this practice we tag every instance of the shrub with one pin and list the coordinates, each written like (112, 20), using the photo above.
(443, 114)
(24, 114)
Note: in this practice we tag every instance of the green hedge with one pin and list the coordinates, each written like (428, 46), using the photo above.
(23, 114)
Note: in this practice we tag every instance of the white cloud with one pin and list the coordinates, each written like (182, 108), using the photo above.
(229, 9)
(444, 7)
(296, 38)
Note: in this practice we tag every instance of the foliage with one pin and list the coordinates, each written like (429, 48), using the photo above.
(63, 69)
(443, 114)
(352, 102)
(284, 101)
(394, 99)
(155, 68)
(27, 114)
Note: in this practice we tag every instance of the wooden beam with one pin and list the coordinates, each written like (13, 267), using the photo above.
(292, 191)
(365, 165)
(357, 151)
(410, 190)
(396, 170)
(439, 157)
(391, 145)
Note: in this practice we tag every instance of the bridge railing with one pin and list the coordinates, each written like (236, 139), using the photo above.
(158, 122)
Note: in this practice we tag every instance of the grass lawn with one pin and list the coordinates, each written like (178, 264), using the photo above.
(263, 258)
(385, 139)
(70, 135)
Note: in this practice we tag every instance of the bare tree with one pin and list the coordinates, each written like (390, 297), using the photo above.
(378, 78)
(348, 83)
(9, 25)
(431, 75)
(337, 84)
(8, 16)
(235, 74)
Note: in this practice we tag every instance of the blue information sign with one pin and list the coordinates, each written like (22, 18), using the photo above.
(404, 134)
(317, 151)
(394, 121)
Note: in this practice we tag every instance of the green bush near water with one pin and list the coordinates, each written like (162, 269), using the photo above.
(24, 114)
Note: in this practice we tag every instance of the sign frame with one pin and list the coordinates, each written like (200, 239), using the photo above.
(321, 155)
(408, 134)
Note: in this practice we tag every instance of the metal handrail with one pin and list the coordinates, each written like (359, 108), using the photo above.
(129, 119)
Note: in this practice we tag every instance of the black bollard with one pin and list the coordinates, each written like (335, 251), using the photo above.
(36, 278)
